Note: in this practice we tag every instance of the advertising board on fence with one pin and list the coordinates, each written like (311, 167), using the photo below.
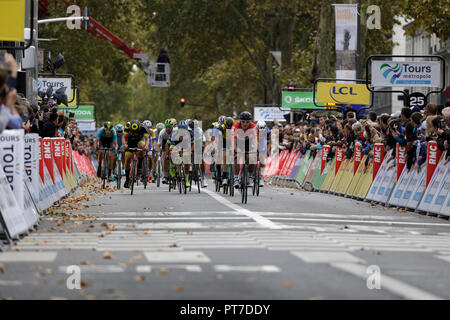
(31, 157)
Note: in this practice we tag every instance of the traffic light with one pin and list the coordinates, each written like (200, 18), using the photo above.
(182, 102)
(291, 86)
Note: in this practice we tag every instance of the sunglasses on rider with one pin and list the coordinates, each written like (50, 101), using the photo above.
(245, 121)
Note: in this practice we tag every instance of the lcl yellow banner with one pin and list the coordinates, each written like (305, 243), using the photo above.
(342, 93)
(12, 20)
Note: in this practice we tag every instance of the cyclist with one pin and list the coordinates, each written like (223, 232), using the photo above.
(159, 128)
(199, 144)
(246, 131)
(106, 138)
(119, 132)
(176, 142)
(136, 137)
(264, 147)
(152, 147)
(162, 142)
(220, 130)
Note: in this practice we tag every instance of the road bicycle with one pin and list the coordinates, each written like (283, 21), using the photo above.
(134, 167)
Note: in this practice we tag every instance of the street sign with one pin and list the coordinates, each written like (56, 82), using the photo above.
(417, 99)
(342, 93)
(298, 100)
(56, 83)
(12, 20)
(406, 73)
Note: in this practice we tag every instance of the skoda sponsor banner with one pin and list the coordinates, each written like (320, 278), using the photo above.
(56, 83)
(342, 93)
(269, 114)
(298, 100)
(83, 112)
(406, 73)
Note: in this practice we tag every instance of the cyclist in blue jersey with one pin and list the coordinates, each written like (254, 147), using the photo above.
(106, 138)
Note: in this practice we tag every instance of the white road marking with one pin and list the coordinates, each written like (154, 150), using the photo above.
(95, 269)
(228, 268)
(398, 287)
(445, 258)
(256, 217)
(143, 269)
(28, 256)
(326, 257)
(177, 257)
(168, 218)
(10, 283)
(149, 268)
(368, 222)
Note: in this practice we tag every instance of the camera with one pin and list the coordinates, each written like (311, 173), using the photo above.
(442, 124)
(71, 114)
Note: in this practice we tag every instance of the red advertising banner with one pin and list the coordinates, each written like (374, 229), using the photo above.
(57, 154)
(292, 161)
(325, 151)
(63, 154)
(433, 157)
(41, 160)
(339, 159)
(287, 163)
(400, 159)
(358, 157)
(284, 154)
(269, 162)
(68, 156)
(48, 155)
(378, 157)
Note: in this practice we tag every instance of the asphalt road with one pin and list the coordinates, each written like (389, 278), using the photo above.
(284, 244)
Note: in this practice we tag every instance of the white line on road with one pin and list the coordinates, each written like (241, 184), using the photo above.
(398, 287)
(369, 222)
(257, 217)
(28, 256)
(95, 269)
(177, 257)
(326, 257)
(228, 268)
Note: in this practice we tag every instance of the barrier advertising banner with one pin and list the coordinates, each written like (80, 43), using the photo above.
(358, 156)
(12, 153)
(400, 159)
(57, 152)
(406, 73)
(48, 156)
(378, 156)
(325, 151)
(31, 157)
(433, 157)
(339, 159)
(41, 160)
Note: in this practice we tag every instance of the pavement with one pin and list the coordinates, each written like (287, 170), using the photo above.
(284, 244)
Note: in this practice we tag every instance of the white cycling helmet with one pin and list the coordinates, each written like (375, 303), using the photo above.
(148, 124)
(160, 126)
(261, 124)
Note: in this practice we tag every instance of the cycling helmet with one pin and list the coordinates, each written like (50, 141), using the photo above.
(261, 124)
(160, 126)
(229, 122)
(148, 124)
(169, 123)
(245, 116)
(191, 123)
(108, 125)
(222, 120)
(128, 125)
(119, 127)
(174, 121)
(135, 125)
(182, 125)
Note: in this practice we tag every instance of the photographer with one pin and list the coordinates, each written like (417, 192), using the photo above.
(9, 117)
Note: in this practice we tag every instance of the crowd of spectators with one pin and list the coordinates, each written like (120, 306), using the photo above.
(16, 112)
(410, 127)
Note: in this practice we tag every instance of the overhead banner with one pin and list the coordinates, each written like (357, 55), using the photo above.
(12, 153)
(342, 93)
(12, 20)
(269, 114)
(298, 100)
(346, 40)
(56, 83)
(31, 158)
(406, 73)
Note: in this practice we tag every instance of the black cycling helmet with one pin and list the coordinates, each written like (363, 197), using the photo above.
(245, 116)
(108, 125)
(229, 122)
(191, 123)
(135, 125)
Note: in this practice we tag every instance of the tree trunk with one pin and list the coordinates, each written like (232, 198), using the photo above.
(326, 38)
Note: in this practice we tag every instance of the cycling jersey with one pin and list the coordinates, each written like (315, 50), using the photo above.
(134, 137)
(176, 137)
(220, 130)
(119, 141)
(105, 139)
(163, 137)
(252, 131)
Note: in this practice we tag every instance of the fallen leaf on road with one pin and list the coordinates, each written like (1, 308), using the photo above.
(58, 298)
(108, 255)
(163, 271)
(317, 298)
(219, 276)
(174, 245)
(104, 224)
(60, 281)
(87, 230)
(288, 284)
(190, 233)
(84, 284)
(251, 279)
(139, 278)
(2, 269)
(37, 282)
(178, 288)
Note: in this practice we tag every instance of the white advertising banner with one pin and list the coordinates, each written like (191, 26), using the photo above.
(11, 158)
(406, 73)
(56, 83)
(269, 114)
(31, 159)
(9, 209)
(346, 17)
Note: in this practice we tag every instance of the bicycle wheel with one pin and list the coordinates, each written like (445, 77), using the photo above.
(231, 179)
(257, 180)
(133, 175)
(178, 175)
(158, 172)
(183, 179)
(218, 178)
(144, 171)
(244, 181)
(104, 169)
(198, 179)
(119, 174)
